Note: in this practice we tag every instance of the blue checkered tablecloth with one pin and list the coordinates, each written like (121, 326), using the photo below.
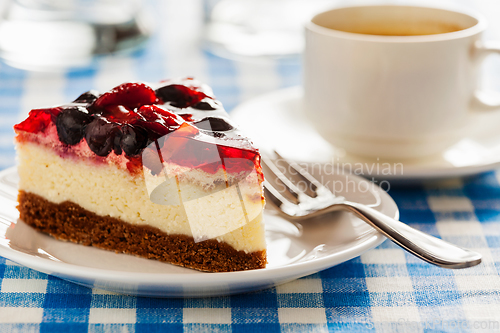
(385, 290)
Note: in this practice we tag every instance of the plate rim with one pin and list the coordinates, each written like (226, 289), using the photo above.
(73, 272)
(411, 173)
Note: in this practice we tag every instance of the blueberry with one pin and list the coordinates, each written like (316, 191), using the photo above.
(71, 123)
(205, 105)
(214, 124)
(133, 139)
(116, 142)
(100, 136)
(177, 94)
(87, 97)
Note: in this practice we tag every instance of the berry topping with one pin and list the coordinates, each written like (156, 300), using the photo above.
(180, 96)
(71, 123)
(187, 116)
(116, 143)
(132, 115)
(38, 121)
(133, 139)
(100, 136)
(158, 121)
(130, 95)
(87, 97)
(206, 105)
(120, 114)
(214, 124)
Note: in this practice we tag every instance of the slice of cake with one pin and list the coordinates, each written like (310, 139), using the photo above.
(157, 171)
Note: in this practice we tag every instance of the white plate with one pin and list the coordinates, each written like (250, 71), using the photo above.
(294, 250)
(276, 121)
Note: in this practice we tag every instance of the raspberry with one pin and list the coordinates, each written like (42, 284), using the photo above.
(38, 120)
(130, 95)
(158, 121)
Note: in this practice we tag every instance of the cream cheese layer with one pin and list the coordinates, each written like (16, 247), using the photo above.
(107, 190)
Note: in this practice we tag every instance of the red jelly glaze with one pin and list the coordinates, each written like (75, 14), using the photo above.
(159, 120)
(38, 120)
(195, 154)
(134, 103)
(134, 164)
(120, 114)
(187, 116)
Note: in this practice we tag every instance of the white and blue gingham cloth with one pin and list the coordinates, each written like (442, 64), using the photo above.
(385, 289)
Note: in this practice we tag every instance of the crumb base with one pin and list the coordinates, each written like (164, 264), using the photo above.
(68, 221)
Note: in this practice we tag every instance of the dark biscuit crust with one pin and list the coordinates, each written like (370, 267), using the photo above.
(70, 222)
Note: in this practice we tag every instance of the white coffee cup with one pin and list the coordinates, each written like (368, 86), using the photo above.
(393, 81)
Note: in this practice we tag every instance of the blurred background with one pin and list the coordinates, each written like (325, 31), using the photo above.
(242, 48)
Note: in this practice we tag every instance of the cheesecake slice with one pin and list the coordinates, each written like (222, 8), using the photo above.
(158, 171)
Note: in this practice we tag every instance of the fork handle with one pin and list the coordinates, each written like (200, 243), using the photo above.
(431, 249)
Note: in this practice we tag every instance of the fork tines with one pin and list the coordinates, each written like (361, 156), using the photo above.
(286, 177)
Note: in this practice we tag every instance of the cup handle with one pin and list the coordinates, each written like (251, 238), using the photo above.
(484, 100)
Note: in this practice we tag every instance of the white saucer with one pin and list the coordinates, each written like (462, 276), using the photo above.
(276, 121)
(294, 250)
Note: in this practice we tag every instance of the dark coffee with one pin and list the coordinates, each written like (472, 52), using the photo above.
(394, 20)
(402, 29)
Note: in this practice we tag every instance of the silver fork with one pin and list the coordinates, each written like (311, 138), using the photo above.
(296, 204)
